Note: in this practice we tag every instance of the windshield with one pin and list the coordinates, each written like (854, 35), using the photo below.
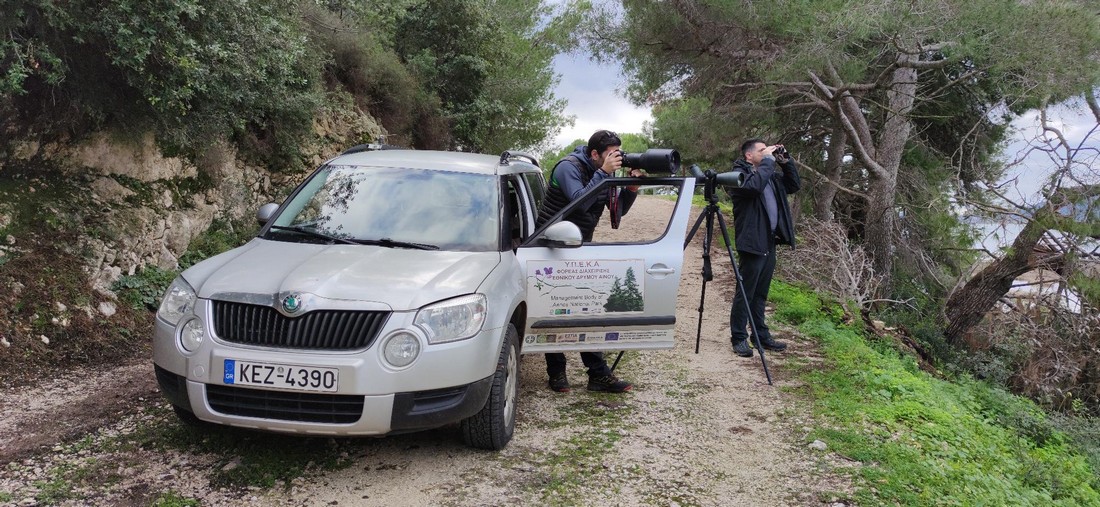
(449, 210)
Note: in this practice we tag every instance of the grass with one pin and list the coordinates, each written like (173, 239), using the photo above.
(927, 441)
(60, 487)
(245, 458)
(240, 460)
(174, 499)
(573, 461)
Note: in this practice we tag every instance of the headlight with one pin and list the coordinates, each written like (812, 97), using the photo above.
(401, 349)
(178, 301)
(453, 319)
(191, 335)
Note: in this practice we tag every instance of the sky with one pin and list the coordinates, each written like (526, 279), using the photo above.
(595, 98)
(1075, 121)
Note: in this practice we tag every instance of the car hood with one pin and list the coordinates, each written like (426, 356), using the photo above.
(396, 279)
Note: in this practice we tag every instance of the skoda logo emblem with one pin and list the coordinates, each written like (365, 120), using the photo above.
(292, 303)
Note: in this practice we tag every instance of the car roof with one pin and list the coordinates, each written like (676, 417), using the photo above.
(436, 160)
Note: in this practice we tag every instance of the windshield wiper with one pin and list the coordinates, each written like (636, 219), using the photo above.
(386, 242)
(389, 243)
(316, 234)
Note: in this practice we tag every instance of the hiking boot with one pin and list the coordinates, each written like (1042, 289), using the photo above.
(608, 384)
(741, 348)
(770, 344)
(559, 382)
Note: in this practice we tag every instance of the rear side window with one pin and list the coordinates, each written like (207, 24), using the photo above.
(537, 186)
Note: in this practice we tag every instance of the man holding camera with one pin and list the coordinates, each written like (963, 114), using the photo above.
(579, 171)
(762, 219)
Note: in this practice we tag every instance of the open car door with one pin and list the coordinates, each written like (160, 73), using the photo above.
(617, 292)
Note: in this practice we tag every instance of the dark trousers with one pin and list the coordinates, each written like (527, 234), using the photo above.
(756, 271)
(597, 367)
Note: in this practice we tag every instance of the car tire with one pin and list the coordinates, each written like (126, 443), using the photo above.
(491, 428)
(188, 418)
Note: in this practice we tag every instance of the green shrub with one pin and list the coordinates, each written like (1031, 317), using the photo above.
(796, 305)
(927, 441)
(1084, 432)
(191, 71)
(221, 236)
(382, 85)
(143, 289)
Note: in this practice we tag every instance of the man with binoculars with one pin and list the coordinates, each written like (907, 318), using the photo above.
(762, 219)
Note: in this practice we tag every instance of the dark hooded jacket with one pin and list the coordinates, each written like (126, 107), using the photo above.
(751, 223)
(571, 177)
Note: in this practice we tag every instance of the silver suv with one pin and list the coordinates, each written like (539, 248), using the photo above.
(394, 290)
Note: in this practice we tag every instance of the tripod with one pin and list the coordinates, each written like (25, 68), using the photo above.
(709, 213)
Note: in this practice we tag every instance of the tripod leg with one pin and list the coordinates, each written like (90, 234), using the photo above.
(745, 297)
(708, 233)
(617, 358)
(694, 229)
(699, 329)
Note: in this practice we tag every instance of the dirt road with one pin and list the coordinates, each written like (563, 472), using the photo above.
(698, 429)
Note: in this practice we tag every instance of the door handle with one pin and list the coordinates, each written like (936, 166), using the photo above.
(660, 271)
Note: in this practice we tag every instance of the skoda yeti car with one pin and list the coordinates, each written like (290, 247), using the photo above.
(394, 291)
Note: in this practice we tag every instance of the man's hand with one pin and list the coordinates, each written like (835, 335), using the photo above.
(635, 173)
(612, 162)
(781, 154)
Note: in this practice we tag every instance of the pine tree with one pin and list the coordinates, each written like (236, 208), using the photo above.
(625, 296)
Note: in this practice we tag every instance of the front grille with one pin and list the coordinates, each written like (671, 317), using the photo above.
(285, 406)
(319, 329)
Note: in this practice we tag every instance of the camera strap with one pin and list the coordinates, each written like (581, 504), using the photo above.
(613, 205)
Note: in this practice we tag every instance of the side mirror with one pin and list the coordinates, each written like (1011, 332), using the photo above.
(265, 212)
(564, 234)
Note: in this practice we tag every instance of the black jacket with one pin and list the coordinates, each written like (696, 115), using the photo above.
(751, 227)
(571, 176)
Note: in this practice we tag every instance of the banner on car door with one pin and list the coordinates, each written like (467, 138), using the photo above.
(557, 288)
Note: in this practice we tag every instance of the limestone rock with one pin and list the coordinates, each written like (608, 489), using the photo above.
(107, 308)
(109, 190)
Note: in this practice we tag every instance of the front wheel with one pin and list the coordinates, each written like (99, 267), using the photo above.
(491, 428)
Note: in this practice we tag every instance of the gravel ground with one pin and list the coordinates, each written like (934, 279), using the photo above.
(698, 429)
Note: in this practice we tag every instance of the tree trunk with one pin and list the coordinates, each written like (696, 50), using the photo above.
(826, 193)
(881, 215)
(968, 305)
(878, 229)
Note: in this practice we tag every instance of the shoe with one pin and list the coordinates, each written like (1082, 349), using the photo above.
(741, 348)
(559, 382)
(770, 344)
(608, 384)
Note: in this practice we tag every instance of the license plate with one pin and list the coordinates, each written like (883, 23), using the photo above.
(281, 376)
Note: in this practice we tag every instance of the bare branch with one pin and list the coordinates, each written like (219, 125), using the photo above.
(825, 89)
(838, 186)
(952, 84)
(760, 84)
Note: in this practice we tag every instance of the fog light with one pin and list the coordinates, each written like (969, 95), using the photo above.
(191, 335)
(401, 350)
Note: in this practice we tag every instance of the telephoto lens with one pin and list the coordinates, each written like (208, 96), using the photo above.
(657, 161)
